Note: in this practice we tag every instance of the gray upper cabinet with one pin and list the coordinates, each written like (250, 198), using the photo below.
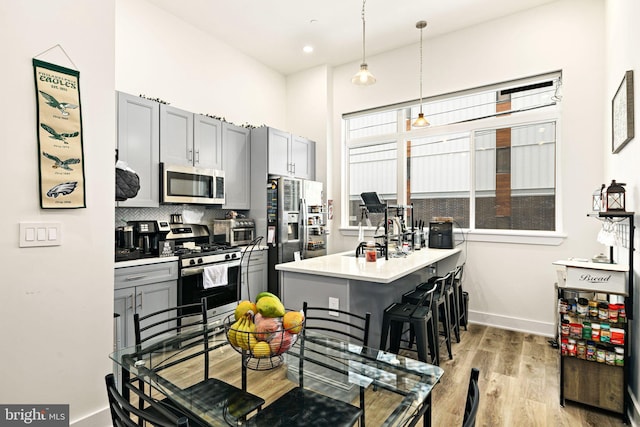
(139, 146)
(303, 157)
(189, 139)
(236, 163)
(207, 142)
(176, 136)
(287, 154)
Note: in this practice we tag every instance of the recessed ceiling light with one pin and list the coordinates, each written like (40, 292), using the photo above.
(307, 49)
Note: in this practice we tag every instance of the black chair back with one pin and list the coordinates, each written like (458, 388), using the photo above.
(354, 326)
(473, 400)
(122, 410)
(247, 254)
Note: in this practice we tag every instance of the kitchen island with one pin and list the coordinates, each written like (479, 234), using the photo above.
(352, 284)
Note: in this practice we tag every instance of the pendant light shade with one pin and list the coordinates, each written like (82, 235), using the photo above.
(420, 121)
(364, 76)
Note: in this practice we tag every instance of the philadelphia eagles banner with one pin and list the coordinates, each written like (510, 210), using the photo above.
(59, 130)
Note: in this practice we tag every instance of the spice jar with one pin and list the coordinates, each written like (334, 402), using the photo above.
(605, 333)
(583, 306)
(563, 346)
(593, 308)
(622, 313)
(617, 336)
(619, 354)
(572, 304)
(595, 331)
(613, 313)
(591, 351)
(600, 354)
(564, 328)
(581, 349)
(575, 330)
(563, 306)
(571, 347)
(586, 330)
(603, 310)
(610, 357)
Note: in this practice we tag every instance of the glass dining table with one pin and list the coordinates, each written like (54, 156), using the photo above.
(397, 388)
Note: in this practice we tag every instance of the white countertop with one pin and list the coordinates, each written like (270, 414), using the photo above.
(144, 261)
(346, 265)
(592, 265)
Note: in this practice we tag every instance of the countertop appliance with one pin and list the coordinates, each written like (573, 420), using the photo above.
(234, 232)
(190, 184)
(196, 253)
(148, 236)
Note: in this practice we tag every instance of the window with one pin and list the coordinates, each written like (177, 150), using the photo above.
(488, 160)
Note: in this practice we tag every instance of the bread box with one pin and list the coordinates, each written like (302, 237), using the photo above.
(608, 278)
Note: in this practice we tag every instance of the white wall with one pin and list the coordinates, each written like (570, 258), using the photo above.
(57, 310)
(511, 285)
(622, 55)
(160, 56)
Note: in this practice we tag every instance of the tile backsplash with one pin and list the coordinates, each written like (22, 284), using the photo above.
(190, 214)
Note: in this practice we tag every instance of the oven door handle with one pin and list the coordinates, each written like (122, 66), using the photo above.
(192, 271)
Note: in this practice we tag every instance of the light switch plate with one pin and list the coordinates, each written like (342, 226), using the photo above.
(33, 234)
(334, 303)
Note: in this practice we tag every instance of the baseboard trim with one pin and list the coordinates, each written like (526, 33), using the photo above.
(634, 410)
(99, 418)
(513, 323)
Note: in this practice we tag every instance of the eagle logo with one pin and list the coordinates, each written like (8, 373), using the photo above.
(59, 136)
(63, 164)
(62, 189)
(52, 102)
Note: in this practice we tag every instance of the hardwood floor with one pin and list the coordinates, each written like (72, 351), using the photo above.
(519, 383)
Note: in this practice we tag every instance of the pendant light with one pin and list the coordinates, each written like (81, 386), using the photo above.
(421, 121)
(363, 77)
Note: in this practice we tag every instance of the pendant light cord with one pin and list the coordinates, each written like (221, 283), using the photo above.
(421, 69)
(363, 25)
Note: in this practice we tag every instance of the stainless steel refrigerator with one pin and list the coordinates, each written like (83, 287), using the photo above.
(283, 225)
(296, 223)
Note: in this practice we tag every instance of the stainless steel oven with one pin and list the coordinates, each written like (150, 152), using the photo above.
(234, 232)
(197, 254)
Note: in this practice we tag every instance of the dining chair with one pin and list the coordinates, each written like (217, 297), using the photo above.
(473, 400)
(302, 407)
(122, 411)
(213, 392)
(463, 309)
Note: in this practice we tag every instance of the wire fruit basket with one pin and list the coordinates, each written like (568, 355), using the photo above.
(262, 341)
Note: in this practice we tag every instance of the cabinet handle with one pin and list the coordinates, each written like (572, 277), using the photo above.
(130, 298)
(190, 155)
(138, 277)
(294, 168)
(197, 159)
(139, 300)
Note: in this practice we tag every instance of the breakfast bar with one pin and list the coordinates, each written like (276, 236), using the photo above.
(344, 281)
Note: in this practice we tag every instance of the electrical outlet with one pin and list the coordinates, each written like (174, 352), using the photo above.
(334, 303)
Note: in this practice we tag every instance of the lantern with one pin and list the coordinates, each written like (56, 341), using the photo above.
(615, 196)
(596, 200)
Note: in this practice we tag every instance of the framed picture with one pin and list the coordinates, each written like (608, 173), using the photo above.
(622, 114)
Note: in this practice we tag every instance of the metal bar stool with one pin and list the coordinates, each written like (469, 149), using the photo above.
(461, 297)
(420, 318)
(441, 310)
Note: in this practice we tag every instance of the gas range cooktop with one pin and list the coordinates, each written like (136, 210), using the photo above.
(204, 250)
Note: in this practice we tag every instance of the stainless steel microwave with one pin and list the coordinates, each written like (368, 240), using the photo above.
(190, 184)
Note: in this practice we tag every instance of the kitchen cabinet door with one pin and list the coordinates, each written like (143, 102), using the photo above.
(123, 304)
(236, 163)
(256, 274)
(207, 142)
(176, 136)
(303, 154)
(139, 145)
(279, 158)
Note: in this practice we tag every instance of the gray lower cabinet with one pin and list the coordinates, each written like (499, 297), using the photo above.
(139, 146)
(236, 163)
(256, 274)
(143, 289)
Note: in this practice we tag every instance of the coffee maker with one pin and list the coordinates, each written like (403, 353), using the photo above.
(148, 235)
